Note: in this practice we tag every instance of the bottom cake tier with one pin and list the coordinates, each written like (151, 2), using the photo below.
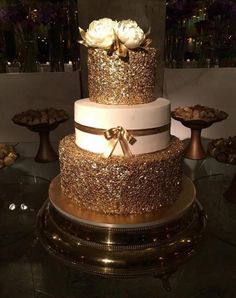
(121, 185)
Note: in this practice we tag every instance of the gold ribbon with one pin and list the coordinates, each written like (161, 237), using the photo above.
(118, 135)
(121, 135)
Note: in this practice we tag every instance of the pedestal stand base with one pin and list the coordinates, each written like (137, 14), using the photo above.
(148, 246)
(45, 152)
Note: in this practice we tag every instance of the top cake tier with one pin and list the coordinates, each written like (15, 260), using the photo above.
(116, 80)
(121, 64)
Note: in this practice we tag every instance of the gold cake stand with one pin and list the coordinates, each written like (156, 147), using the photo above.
(122, 246)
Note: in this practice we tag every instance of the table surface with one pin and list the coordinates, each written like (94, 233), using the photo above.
(26, 270)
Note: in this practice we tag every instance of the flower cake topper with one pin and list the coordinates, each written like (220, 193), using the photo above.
(114, 36)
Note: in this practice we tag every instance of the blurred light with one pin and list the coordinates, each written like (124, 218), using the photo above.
(12, 207)
(23, 207)
(107, 261)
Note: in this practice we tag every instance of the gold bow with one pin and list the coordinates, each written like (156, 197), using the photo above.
(121, 135)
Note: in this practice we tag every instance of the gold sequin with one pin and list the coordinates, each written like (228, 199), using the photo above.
(119, 185)
(116, 80)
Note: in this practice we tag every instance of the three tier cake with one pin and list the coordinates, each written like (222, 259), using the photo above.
(121, 206)
(122, 158)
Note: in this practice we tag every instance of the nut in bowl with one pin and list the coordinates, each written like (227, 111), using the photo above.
(223, 150)
(8, 155)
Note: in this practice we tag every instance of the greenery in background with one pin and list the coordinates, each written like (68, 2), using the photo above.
(201, 31)
(36, 32)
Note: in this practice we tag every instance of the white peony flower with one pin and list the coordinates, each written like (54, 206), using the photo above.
(101, 33)
(130, 34)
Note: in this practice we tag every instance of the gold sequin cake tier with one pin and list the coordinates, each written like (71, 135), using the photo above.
(116, 80)
(120, 185)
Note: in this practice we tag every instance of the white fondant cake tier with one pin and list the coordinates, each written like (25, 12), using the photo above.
(153, 115)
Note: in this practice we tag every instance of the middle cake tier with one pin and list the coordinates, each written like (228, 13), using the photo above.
(147, 125)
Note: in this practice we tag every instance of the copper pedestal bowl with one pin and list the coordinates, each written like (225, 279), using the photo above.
(45, 151)
(194, 149)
